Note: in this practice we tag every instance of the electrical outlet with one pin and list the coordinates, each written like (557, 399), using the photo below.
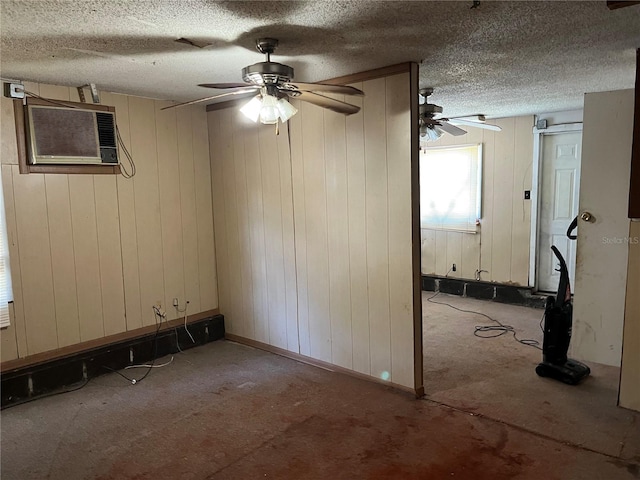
(175, 302)
(453, 268)
(13, 90)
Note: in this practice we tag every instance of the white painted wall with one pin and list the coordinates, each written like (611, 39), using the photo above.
(602, 252)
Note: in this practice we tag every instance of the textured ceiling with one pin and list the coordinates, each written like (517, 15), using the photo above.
(503, 58)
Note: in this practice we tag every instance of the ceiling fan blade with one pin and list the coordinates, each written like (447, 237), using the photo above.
(225, 85)
(326, 102)
(245, 92)
(471, 123)
(452, 129)
(321, 87)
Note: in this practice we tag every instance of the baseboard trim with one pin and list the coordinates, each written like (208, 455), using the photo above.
(71, 350)
(496, 292)
(318, 363)
(35, 380)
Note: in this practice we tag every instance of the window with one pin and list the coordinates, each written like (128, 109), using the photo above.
(6, 294)
(450, 187)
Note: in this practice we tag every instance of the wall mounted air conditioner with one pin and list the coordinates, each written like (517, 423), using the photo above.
(73, 134)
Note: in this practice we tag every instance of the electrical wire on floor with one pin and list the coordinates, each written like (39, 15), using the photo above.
(145, 365)
(157, 315)
(492, 331)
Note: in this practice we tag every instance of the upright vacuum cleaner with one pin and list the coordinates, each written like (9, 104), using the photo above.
(558, 318)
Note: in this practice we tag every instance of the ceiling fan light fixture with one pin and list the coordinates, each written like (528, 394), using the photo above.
(252, 108)
(286, 110)
(268, 109)
(269, 112)
(430, 133)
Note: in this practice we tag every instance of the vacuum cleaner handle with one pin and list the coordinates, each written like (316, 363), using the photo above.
(572, 226)
(564, 288)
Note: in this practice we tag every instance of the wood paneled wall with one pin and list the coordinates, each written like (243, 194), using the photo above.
(502, 244)
(313, 230)
(91, 254)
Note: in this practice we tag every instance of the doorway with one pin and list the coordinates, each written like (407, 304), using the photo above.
(560, 159)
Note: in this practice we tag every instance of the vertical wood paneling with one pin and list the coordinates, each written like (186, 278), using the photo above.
(398, 135)
(127, 219)
(486, 223)
(147, 206)
(453, 252)
(470, 256)
(18, 318)
(503, 201)
(188, 209)
(521, 220)
(87, 259)
(244, 235)
(288, 241)
(219, 203)
(338, 238)
(35, 262)
(321, 236)
(8, 146)
(256, 224)
(356, 198)
(316, 231)
(170, 213)
(225, 149)
(629, 385)
(204, 209)
(300, 222)
(110, 254)
(505, 221)
(57, 92)
(74, 240)
(442, 266)
(8, 341)
(428, 260)
(270, 166)
(62, 259)
(377, 227)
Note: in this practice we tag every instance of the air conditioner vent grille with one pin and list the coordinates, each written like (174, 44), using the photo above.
(106, 131)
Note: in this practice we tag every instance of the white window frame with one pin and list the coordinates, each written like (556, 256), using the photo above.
(472, 228)
(6, 294)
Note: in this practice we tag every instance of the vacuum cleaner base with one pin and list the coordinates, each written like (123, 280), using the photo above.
(570, 372)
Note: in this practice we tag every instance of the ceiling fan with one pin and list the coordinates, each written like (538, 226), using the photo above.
(270, 84)
(433, 128)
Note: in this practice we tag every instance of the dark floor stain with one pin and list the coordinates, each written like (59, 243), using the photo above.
(632, 468)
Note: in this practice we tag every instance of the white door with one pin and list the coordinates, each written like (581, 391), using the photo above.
(559, 185)
(603, 249)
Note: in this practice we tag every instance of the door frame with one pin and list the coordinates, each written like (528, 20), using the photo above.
(535, 189)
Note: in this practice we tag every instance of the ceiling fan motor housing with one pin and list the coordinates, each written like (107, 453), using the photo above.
(429, 109)
(265, 73)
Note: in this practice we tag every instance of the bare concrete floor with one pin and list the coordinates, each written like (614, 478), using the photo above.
(225, 411)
